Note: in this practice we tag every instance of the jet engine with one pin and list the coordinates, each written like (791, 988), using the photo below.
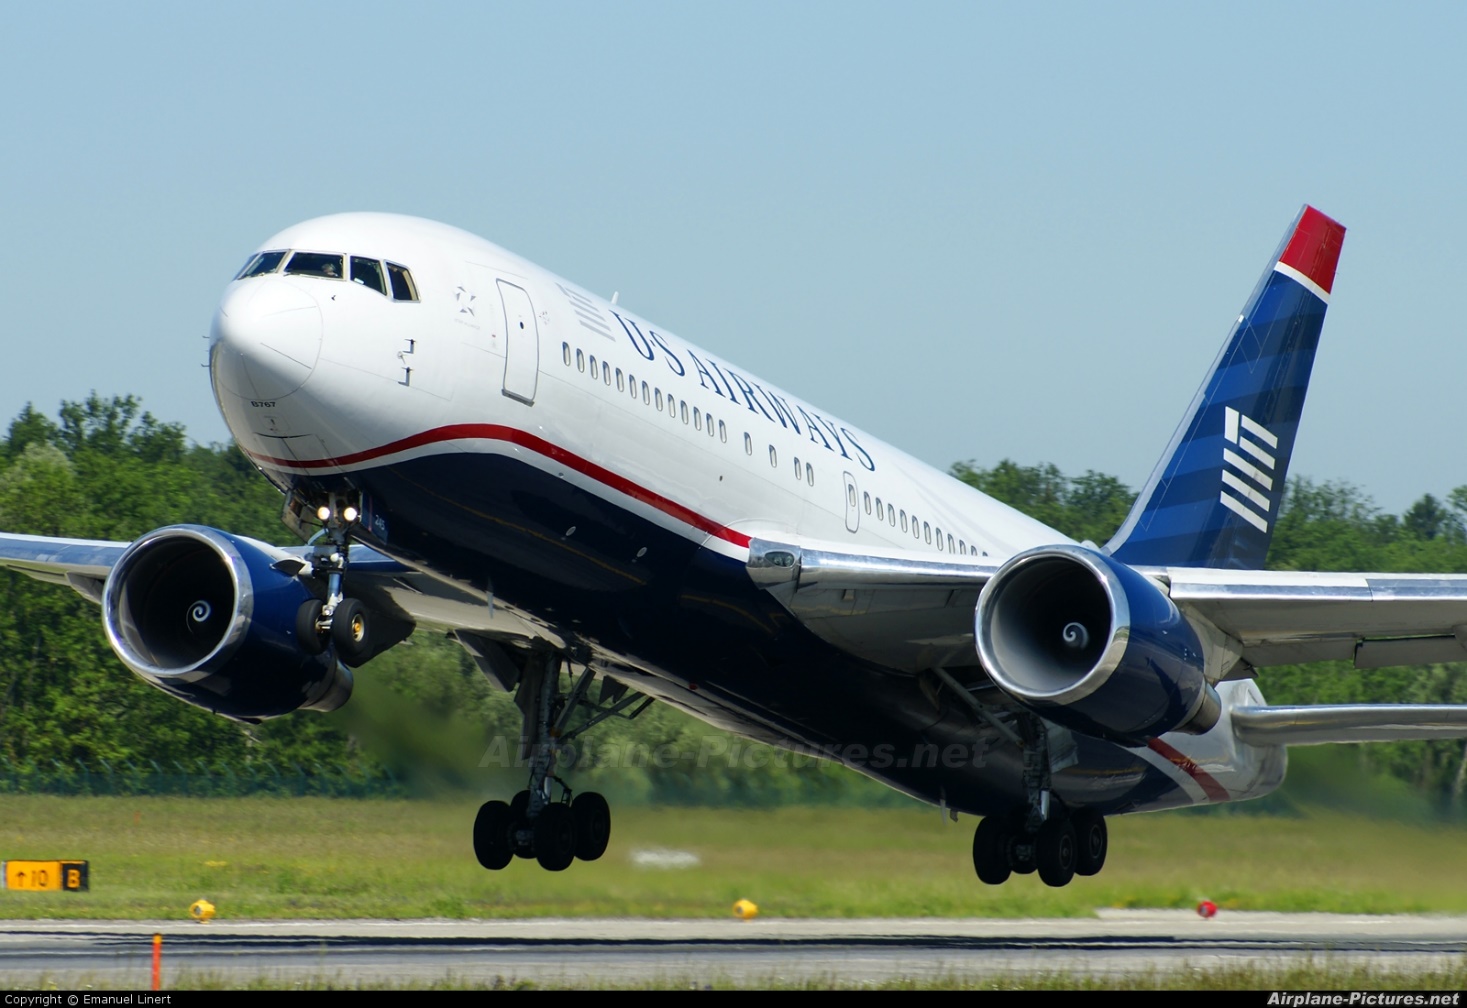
(1089, 643)
(209, 618)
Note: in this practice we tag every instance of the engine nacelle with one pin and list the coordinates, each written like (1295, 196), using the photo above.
(204, 616)
(1088, 643)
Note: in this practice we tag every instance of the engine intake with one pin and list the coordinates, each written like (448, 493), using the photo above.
(1089, 643)
(204, 616)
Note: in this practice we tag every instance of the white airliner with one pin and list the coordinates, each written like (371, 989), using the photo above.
(603, 514)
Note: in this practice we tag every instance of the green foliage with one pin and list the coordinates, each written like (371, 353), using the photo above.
(1087, 508)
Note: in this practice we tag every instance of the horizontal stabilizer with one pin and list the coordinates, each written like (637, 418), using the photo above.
(1318, 725)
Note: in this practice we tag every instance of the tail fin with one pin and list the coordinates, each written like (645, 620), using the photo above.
(1213, 498)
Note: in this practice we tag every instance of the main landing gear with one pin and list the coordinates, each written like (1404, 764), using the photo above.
(1063, 846)
(553, 830)
(1041, 835)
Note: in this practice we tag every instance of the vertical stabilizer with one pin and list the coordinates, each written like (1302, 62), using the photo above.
(1213, 498)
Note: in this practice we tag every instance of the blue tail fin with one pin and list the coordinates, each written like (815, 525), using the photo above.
(1213, 499)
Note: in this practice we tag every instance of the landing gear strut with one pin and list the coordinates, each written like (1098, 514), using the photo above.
(553, 831)
(1041, 835)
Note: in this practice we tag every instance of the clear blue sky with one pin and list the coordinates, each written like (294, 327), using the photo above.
(977, 231)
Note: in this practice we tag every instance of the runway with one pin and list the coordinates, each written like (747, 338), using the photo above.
(582, 952)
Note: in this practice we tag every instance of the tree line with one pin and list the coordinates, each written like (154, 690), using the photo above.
(103, 468)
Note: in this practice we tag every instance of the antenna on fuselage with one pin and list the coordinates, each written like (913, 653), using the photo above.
(614, 296)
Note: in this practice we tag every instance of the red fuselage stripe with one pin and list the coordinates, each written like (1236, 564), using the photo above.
(523, 439)
(1205, 780)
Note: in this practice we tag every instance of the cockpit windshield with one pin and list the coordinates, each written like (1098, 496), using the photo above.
(320, 264)
(368, 273)
(386, 278)
(264, 262)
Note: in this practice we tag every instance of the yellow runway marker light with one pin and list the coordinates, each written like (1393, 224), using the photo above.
(745, 910)
(201, 911)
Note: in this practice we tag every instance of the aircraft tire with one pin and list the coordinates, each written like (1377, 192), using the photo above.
(593, 825)
(1055, 851)
(351, 632)
(491, 835)
(1092, 839)
(991, 850)
(555, 837)
(306, 634)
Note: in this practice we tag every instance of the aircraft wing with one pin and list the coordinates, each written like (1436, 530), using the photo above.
(386, 584)
(1284, 617)
(912, 613)
(901, 612)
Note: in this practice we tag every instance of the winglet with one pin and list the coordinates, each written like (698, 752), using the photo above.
(1213, 498)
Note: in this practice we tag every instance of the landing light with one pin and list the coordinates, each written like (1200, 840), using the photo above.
(323, 512)
(349, 514)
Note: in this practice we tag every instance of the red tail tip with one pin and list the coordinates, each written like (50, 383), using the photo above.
(1314, 247)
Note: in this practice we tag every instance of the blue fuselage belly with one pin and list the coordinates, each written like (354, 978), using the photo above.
(638, 594)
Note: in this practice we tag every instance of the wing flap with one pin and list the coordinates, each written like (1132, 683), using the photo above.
(1374, 620)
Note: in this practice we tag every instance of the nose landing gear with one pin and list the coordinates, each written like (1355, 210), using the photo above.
(342, 622)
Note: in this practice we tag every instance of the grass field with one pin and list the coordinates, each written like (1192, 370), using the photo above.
(324, 858)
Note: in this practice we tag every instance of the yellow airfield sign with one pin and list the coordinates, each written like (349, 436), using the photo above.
(46, 876)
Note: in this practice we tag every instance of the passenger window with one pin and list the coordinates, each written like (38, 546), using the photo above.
(927, 531)
(403, 288)
(697, 419)
(685, 411)
(580, 360)
(317, 264)
(748, 444)
(939, 539)
(647, 399)
(962, 547)
(620, 381)
(797, 467)
(773, 457)
(594, 373)
(810, 475)
(659, 400)
(722, 432)
(891, 514)
(265, 262)
(368, 273)
(949, 542)
(904, 520)
(606, 374)
(867, 501)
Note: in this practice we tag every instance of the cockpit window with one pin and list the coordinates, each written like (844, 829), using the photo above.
(319, 264)
(403, 288)
(368, 273)
(264, 262)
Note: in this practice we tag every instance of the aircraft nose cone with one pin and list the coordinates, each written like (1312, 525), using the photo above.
(266, 338)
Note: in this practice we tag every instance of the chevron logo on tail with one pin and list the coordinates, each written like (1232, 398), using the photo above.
(1251, 479)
